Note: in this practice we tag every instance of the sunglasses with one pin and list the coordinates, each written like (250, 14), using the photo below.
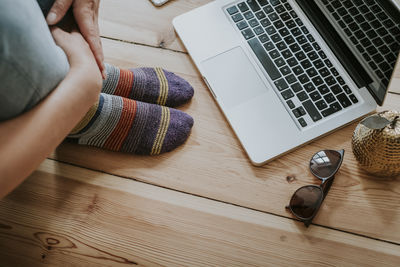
(306, 200)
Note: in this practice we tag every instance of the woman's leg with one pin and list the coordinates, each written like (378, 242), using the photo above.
(31, 64)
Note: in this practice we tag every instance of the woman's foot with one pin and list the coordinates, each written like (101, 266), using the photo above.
(151, 85)
(120, 124)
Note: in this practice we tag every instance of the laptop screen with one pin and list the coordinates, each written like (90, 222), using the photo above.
(364, 35)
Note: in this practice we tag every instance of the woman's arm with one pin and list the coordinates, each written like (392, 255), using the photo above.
(28, 139)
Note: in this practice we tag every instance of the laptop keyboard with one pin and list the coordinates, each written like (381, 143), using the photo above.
(304, 77)
(371, 30)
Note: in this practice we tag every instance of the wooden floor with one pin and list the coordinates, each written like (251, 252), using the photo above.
(203, 204)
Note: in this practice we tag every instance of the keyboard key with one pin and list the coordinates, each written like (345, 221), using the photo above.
(281, 46)
(268, 9)
(290, 104)
(253, 22)
(335, 106)
(264, 59)
(281, 84)
(330, 80)
(334, 72)
(315, 96)
(302, 96)
(290, 78)
(309, 87)
(292, 62)
(269, 46)
(286, 53)
(285, 70)
(279, 62)
(321, 104)
(248, 15)
(296, 87)
(302, 111)
(307, 47)
(284, 32)
(263, 38)
(306, 64)
(273, 16)
(276, 38)
(302, 122)
(242, 25)
(243, 7)
(328, 63)
(323, 89)
(303, 78)
(336, 89)
(248, 33)
(253, 5)
(232, 10)
(311, 72)
(341, 81)
(300, 55)
(237, 17)
(353, 98)
(287, 94)
(317, 80)
(344, 100)
(260, 15)
(258, 30)
(263, 2)
(270, 30)
(274, 54)
(295, 48)
(347, 89)
(265, 22)
(329, 98)
(298, 70)
(312, 110)
(324, 72)
(312, 55)
(296, 113)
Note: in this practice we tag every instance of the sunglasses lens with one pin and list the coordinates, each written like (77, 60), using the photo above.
(325, 163)
(305, 201)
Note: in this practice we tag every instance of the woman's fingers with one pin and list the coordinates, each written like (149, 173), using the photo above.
(58, 11)
(86, 16)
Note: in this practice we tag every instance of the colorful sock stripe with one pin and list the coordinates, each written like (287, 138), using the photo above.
(85, 120)
(122, 124)
(89, 118)
(162, 97)
(151, 85)
(119, 134)
(124, 86)
(162, 131)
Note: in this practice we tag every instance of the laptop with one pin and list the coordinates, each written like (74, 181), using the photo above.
(287, 72)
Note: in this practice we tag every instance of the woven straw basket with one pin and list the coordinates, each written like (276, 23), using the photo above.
(378, 150)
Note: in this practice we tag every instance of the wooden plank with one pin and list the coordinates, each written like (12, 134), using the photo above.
(212, 163)
(141, 22)
(65, 215)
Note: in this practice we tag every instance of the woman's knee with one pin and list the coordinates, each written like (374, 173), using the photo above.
(31, 63)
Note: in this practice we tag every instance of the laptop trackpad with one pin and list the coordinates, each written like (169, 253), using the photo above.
(233, 78)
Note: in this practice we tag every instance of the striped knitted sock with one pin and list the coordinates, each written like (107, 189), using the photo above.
(151, 85)
(120, 124)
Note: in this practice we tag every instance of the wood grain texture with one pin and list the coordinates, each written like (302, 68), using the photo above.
(141, 22)
(69, 216)
(212, 163)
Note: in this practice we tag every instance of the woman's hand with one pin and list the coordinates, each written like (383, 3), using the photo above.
(86, 16)
(82, 63)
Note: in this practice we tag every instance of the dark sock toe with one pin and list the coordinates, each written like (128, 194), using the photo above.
(180, 91)
(178, 130)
